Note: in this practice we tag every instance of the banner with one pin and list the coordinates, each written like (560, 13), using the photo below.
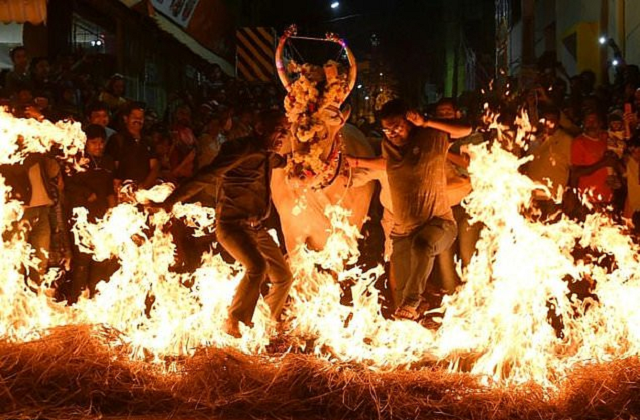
(179, 11)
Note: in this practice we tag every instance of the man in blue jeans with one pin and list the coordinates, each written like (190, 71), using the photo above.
(415, 150)
(243, 168)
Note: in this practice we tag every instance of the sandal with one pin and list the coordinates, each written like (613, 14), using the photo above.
(406, 312)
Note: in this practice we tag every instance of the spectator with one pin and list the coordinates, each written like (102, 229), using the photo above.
(135, 161)
(184, 143)
(93, 190)
(113, 93)
(592, 167)
(18, 76)
(242, 125)
(616, 136)
(211, 139)
(458, 187)
(43, 90)
(98, 113)
(632, 161)
(66, 106)
(551, 162)
(161, 146)
(37, 184)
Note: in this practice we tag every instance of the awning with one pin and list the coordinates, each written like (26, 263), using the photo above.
(186, 25)
(21, 11)
(186, 39)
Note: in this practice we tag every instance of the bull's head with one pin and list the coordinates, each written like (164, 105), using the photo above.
(313, 105)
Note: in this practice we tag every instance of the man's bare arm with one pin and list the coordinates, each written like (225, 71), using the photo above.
(455, 129)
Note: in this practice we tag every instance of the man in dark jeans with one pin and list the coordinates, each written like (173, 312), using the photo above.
(415, 150)
(243, 203)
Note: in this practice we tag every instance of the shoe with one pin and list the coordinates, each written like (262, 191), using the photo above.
(232, 327)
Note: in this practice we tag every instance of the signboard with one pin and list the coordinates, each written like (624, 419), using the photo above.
(179, 11)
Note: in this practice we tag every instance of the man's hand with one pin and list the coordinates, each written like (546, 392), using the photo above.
(416, 119)
(631, 119)
(352, 161)
(33, 112)
(610, 159)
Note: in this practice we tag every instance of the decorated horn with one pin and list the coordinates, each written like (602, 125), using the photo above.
(282, 72)
(353, 66)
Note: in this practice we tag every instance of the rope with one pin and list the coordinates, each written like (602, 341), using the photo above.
(295, 51)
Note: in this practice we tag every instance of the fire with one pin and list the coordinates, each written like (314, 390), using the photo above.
(20, 137)
(513, 320)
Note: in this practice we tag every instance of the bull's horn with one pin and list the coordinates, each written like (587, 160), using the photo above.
(353, 69)
(282, 72)
(353, 66)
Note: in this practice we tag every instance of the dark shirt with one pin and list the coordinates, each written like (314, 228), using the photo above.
(243, 168)
(417, 179)
(14, 81)
(131, 156)
(98, 180)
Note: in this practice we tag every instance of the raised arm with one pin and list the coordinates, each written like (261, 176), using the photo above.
(454, 128)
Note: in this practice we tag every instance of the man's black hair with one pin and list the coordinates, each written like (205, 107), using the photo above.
(94, 131)
(394, 108)
(269, 119)
(14, 50)
(554, 110)
(446, 100)
(96, 106)
(129, 107)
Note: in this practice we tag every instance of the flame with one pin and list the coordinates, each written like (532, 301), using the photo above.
(497, 324)
(20, 137)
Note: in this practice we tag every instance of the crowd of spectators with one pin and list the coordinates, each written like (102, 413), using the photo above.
(585, 141)
(127, 143)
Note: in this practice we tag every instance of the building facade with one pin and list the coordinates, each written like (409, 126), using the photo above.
(569, 30)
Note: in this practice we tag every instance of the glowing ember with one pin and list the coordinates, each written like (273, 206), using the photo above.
(498, 323)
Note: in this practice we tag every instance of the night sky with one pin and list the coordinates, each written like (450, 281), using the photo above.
(410, 33)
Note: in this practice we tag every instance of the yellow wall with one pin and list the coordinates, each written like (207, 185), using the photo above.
(588, 48)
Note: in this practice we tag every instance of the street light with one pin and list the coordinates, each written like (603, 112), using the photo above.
(602, 40)
(335, 4)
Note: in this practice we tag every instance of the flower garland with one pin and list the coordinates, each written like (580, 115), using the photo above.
(312, 105)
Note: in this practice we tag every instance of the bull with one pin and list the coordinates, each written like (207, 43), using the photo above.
(318, 175)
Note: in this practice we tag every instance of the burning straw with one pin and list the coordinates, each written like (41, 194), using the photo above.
(499, 356)
(73, 374)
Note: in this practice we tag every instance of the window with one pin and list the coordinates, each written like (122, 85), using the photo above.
(88, 36)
